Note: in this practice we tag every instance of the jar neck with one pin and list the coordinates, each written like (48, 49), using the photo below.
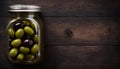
(24, 14)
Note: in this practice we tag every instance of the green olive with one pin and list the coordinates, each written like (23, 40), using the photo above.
(24, 50)
(28, 30)
(13, 52)
(11, 32)
(35, 38)
(30, 57)
(33, 26)
(19, 33)
(34, 49)
(26, 22)
(16, 42)
(20, 57)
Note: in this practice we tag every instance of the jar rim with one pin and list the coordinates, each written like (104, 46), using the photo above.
(24, 8)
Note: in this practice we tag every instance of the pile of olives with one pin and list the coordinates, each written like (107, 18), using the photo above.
(23, 41)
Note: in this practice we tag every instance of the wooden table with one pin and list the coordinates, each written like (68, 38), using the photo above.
(79, 34)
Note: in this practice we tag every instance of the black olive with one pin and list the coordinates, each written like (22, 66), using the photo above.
(10, 40)
(27, 42)
(31, 42)
(18, 24)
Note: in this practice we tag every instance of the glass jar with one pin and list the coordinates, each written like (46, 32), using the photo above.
(25, 40)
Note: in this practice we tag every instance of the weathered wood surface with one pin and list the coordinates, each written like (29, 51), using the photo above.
(3, 8)
(82, 30)
(75, 7)
(79, 34)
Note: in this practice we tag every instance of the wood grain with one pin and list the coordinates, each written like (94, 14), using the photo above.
(84, 57)
(3, 8)
(82, 31)
(74, 57)
(79, 34)
(75, 7)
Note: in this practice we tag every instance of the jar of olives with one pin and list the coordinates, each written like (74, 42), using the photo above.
(25, 40)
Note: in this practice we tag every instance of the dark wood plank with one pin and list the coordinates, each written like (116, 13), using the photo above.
(78, 30)
(75, 7)
(82, 31)
(3, 26)
(3, 8)
(84, 57)
(73, 57)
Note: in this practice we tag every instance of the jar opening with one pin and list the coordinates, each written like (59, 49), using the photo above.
(24, 8)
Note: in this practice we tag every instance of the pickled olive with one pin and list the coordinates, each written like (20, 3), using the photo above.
(28, 30)
(16, 42)
(13, 52)
(27, 42)
(11, 33)
(30, 57)
(26, 22)
(35, 38)
(18, 24)
(32, 26)
(24, 50)
(20, 56)
(34, 49)
(19, 33)
(9, 40)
